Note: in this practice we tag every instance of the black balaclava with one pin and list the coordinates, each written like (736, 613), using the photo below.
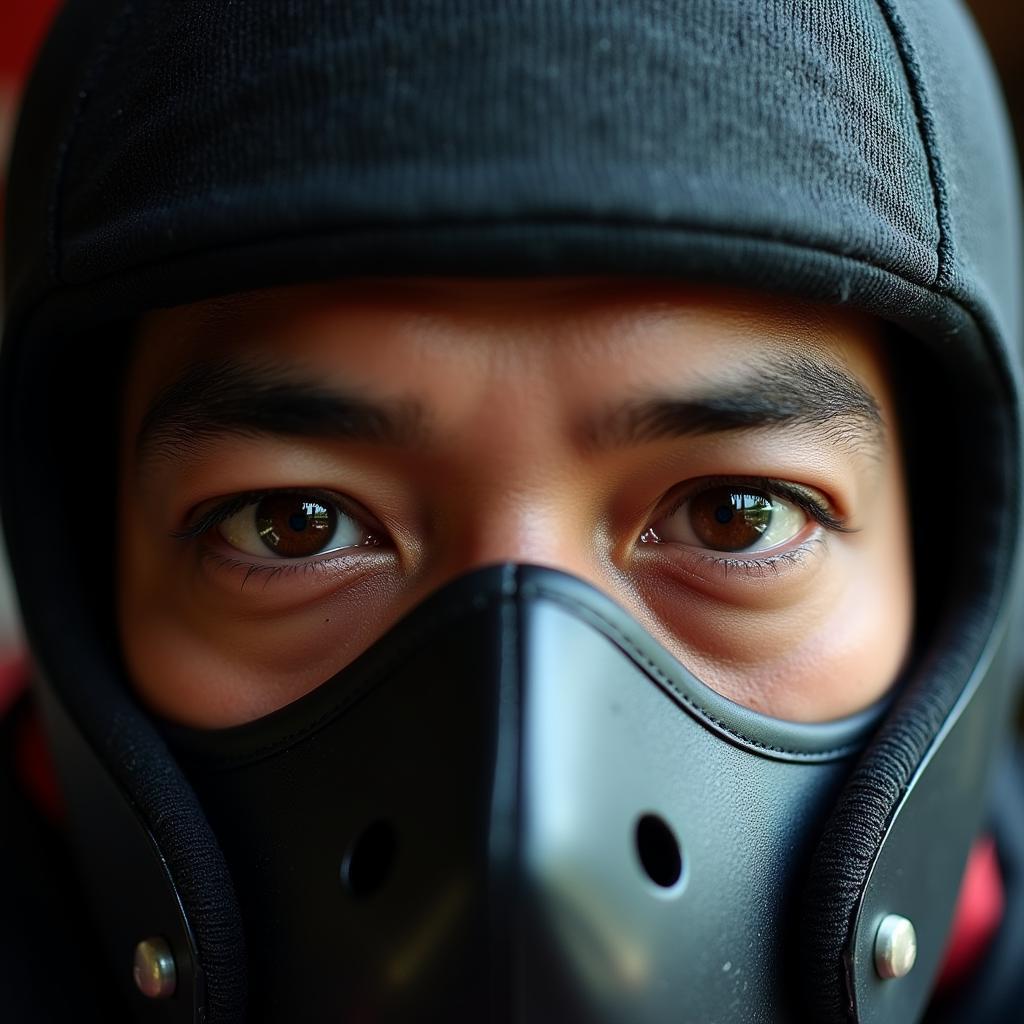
(511, 849)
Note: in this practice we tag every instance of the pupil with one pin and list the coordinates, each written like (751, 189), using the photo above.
(724, 514)
(298, 521)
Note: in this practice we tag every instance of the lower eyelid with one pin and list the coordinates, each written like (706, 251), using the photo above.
(708, 567)
(275, 591)
(344, 560)
(770, 565)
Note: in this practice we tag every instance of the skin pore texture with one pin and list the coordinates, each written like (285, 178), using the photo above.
(726, 465)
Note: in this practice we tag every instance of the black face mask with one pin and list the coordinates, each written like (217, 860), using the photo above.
(517, 806)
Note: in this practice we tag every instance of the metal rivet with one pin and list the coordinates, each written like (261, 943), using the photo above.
(895, 947)
(154, 971)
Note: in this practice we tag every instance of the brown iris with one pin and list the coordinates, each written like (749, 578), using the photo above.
(294, 526)
(729, 519)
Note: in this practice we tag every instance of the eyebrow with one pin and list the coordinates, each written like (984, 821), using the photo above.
(786, 390)
(214, 399)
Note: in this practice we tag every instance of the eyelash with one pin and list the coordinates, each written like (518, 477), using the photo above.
(761, 568)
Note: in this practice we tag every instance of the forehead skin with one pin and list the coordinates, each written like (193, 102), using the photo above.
(508, 379)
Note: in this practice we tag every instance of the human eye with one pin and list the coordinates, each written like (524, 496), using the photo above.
(752, 517)
(286, 525)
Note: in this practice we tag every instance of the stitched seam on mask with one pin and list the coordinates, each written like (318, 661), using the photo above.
(377, 673)
(661, 677)
(929, 141)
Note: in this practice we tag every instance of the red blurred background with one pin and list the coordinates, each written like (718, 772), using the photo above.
(22, 26)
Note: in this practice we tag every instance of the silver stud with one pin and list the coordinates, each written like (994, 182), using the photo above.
(895, 947)
(154, 971)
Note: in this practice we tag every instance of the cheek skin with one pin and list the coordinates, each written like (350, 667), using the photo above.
(827, 661)
(201, 667)
(838, 659)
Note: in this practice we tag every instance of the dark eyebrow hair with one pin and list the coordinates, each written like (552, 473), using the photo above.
(214, 398)
(787, 390)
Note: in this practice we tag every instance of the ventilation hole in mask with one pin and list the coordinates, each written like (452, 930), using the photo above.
(658, 850)
(368, 862)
